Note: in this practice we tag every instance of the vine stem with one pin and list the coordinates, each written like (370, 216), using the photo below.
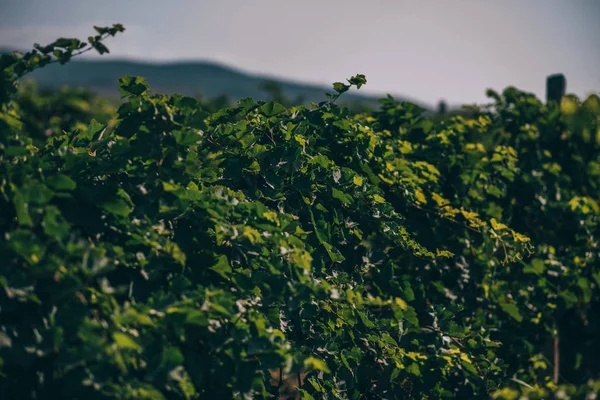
(75, 54)
(556, 356)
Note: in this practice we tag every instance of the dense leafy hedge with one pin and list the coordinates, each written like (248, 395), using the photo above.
(188, 254)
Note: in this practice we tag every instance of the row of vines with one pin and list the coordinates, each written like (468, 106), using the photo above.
(159, 250)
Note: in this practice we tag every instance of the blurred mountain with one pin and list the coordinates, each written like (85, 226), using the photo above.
(191, 78)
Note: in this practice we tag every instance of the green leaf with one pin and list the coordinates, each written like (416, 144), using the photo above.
(363, 317)
(37, 193)
(54, 224)
(124, 341)
(312, 364)
(512, 310)
(222, 267)
(171, 358)
(271, 109)
(340, 87)
(22, 209)
(378, 199)
(94, 130)
(358, 80)
(413, 369)
(333, 253)
(411, 316)
(304, 395)
(132, 85)
(341, 196)
(537, 266)
(320, 160)
(253, 168)
(118, 207)
(61, 183)
(585, 287)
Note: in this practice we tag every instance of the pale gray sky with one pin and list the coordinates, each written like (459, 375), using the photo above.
(425, 49)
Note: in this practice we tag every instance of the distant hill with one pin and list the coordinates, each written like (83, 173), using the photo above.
(191, 78)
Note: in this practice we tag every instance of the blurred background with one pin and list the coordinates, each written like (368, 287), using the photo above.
(422, 51)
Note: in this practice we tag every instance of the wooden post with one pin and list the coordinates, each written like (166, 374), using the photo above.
(442, 107)
(556, 373)
(556, 86)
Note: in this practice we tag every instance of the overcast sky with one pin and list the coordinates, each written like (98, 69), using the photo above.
(425, 49)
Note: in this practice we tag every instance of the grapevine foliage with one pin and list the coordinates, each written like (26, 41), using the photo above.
(175, 253)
